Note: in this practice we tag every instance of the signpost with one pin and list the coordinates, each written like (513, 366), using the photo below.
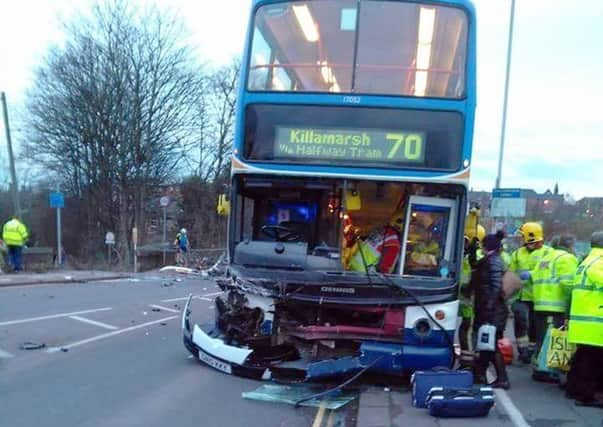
(164, 203)
(507, 203)
(57, 201)
(135, 244)
(109, 241)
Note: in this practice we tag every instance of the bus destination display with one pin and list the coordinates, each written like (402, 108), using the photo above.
(353, 145)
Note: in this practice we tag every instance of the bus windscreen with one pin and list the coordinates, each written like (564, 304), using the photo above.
(364, 47)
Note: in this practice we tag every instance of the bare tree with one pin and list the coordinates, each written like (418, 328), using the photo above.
(215, 117)
(110, 113)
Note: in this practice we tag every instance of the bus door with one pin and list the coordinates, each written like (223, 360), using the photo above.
(428, 242)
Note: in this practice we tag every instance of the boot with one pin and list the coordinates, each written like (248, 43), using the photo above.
(502, 380)
(524, 355)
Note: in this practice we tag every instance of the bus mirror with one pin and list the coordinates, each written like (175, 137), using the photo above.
(223, 208)
(353, 202)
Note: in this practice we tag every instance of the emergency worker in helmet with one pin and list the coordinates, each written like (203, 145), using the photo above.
(523, 261)
(473, 239)
(380, 250)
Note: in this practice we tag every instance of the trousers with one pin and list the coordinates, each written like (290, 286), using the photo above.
(585, 377)
(15, 257)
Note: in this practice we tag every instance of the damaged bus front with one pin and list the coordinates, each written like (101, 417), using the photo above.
(348, 192)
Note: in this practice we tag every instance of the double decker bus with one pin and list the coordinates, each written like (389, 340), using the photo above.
(348, 197)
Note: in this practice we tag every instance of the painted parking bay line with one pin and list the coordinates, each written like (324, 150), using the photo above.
(5, 354)
(109, 334)
(160, 307)
(94, 322)
(202, 297)
(53, 316)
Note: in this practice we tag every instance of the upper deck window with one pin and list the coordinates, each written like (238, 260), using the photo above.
(398, 48)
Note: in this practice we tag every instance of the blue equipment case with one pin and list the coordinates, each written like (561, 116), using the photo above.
(423, 381)
(456, 403)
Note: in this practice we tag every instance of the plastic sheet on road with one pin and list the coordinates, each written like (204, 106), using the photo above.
(293, 394)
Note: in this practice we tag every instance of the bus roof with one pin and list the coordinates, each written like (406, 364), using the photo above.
(467, 4)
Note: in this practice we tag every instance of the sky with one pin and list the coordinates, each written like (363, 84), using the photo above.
(555, 118)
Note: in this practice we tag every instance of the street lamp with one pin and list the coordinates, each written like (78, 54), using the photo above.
(506, 97)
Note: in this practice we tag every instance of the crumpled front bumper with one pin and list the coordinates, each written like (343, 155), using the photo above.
(207, 345)
(214, 352)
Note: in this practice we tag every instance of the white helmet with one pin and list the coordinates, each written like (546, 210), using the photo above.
(183, 231)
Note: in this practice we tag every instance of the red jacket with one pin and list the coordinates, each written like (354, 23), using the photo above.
(390, 251)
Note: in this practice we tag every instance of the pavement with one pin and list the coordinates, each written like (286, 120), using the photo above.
(113, 356)
(58, 276)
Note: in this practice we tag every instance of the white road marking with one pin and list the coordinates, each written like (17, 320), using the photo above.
(5, 354)
(174, 299)
(213, 294)
(94, 322)
(109, 334)
(160, 307)
(202, 297)
(505, 401)
(514, 414)
(53, 316)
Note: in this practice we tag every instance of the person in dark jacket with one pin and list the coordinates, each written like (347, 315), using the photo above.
(490, 307)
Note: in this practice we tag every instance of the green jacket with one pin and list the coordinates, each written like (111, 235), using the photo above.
(523, 260)
(586, 312)
(552, 279)
(14, 233)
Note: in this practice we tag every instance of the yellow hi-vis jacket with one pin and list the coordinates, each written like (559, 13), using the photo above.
(524, 260)
(586, 313)
(14, 233)
(551, 279)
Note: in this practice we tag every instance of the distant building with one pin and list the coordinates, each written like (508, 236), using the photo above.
(537, 204)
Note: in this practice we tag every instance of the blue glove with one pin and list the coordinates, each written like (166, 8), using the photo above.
(524, 275)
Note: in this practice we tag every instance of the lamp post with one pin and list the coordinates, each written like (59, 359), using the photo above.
(506, 97)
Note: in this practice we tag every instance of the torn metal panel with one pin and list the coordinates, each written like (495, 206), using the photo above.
(334, 367)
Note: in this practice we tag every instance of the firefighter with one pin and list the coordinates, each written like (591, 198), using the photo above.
(466, 312)
(551, 277)
(380, 251)
(523, 261)
(586, 327)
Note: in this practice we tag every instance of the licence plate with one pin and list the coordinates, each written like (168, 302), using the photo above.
(214, 363)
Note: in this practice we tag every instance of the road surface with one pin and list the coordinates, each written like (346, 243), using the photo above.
(113, 356)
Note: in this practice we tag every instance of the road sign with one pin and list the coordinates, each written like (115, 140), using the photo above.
(57, 200)
(109, 238)
(164, 201)
(507, 203)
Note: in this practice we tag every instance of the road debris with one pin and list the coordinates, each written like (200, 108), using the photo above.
(32, 346)
(294, 394)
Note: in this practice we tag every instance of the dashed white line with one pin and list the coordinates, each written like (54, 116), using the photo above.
(109, 334)
(53, 316)
(5, 354)
(94, 322)
(160, 307)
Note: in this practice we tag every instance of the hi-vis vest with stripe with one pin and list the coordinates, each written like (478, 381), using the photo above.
(551, 279)
(524, 260)
(586, 313)
(14, 233)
